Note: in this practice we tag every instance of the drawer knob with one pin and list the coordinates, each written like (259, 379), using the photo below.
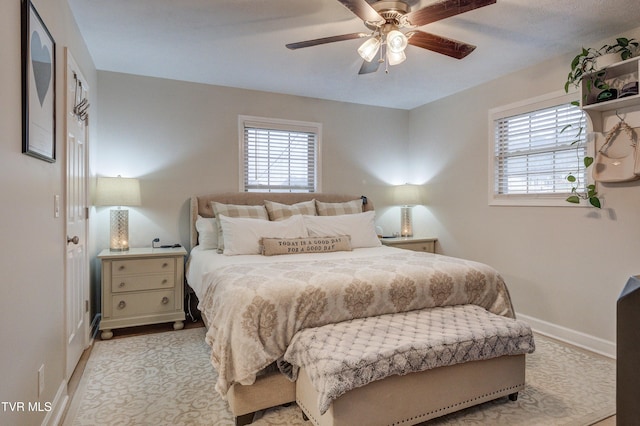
(122, 304)
(121, 285)
(165, 300)
(121, 268)
(165, 264)
(165, 281)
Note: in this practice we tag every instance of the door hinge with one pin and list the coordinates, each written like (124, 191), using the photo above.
(86, 306)
(86, 213)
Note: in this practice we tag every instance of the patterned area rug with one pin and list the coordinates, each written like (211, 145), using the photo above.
(167, 379)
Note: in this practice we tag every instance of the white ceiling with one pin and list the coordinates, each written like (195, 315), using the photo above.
(241, 43)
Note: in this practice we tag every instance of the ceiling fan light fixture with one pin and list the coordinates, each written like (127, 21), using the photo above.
(396, 41)
(387, 19)
(369, 48)
(394, 58)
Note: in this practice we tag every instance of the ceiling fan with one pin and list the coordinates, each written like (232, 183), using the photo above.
(386, 18)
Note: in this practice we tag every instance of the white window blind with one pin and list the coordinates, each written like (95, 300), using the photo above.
(535, 151)
(279, 156)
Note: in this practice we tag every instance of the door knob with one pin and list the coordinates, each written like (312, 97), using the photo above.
(74, 240)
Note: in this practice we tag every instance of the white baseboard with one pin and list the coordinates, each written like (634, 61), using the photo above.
(58, 405)
(573, 337)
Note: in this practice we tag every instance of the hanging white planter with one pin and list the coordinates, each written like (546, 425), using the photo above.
(607, 59)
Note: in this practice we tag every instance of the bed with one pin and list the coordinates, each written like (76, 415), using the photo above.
(254, 304)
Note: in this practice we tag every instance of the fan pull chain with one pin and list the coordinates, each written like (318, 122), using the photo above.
(382, 60)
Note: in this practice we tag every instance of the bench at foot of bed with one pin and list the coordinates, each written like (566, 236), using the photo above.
(417, 397)
(432, 393)
(408, 367)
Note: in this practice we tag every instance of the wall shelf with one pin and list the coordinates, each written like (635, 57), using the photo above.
(614, 104)
(616, 76)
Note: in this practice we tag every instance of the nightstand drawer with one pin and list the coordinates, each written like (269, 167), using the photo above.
(142, 266)
(141, 282)
(425, 244)
(428, 247)
(150, 302)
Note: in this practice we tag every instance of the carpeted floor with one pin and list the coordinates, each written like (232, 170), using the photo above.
(167, 379)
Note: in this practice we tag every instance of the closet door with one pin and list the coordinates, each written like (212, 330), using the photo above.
(77, 321)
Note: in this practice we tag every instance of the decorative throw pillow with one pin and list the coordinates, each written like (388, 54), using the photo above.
(274, 246)
(279, 211)
(235, 210)
(359, 226)
(334, 209)
(242, 235)
(207, 232)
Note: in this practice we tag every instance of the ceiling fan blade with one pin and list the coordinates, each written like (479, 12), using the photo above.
(325, 40)
(369, 67)
(446, 46)
(363, 10)
(444, 9)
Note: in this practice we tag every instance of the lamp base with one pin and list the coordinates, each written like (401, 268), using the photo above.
(119, 235)
(406, 228)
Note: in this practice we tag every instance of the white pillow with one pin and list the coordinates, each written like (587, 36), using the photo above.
(242, 235)
(360, 226)
(207, 232)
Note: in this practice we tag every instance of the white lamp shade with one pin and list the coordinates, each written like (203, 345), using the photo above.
(369, 48)
(407, 195)
(396, 41)
(117, 191)
(395, 58)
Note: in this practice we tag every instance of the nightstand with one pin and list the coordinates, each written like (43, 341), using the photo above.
(425, 244)
(142, 286)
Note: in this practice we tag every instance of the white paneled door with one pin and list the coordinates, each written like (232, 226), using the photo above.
(77, 327)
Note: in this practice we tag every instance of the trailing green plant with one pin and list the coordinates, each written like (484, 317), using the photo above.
(585, 62)
(589, 192)
(626, 47)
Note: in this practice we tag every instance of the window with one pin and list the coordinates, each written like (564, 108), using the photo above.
(279, 155)
(532, 151)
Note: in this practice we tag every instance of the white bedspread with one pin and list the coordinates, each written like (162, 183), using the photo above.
(204, 262)
(255, 305)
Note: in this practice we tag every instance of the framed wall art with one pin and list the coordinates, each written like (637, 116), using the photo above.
(38, 86)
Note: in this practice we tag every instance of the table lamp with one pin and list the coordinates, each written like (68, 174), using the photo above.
(118, 191)
(406, 196)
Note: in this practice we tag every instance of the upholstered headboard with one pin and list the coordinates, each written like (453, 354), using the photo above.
(201, 205)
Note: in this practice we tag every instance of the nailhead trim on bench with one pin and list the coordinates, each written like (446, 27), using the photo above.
(429, 413)
(499, 391)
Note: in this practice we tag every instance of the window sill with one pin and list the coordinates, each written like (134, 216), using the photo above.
(535, 201)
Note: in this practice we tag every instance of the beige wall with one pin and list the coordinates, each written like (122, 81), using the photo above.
(32, 261)
(181, 139)
(564, 265)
